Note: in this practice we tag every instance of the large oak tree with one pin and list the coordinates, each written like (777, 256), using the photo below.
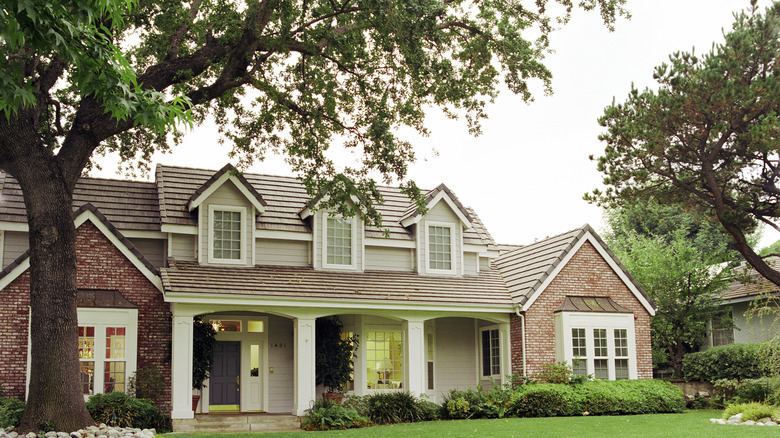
(709, 137)
(286, 76)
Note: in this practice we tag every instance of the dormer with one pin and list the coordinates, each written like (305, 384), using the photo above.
(227, 206)
(439, 232)
(337, 241)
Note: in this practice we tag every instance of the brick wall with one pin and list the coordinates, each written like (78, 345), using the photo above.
(100, 266)
(585, 274)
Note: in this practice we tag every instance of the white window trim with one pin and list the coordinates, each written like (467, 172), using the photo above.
(355, 225)
(501, 353)
(404, 370)
(565, 321)
(432, 333)
(210, 235)
(101, 318)
(427, 261)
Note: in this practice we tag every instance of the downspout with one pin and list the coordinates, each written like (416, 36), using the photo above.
(522, 327)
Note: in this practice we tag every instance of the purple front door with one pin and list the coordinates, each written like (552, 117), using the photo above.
(223, 381)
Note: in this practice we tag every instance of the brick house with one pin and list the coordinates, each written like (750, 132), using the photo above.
(436, 304)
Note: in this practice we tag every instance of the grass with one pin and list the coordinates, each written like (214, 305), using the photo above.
(688, 424)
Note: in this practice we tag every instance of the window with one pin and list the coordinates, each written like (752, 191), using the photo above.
(579, 352)
(491, 356)
(722, 334)
(440, 247)
(384, 356)
(621, 354)
(226, 226)
(339, 241)
(111, 357)
(429, 354)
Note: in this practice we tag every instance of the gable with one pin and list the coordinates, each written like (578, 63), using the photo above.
(219, 180)
(441, 194)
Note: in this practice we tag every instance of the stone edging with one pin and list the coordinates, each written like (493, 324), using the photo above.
(101, 431)
(736, 420)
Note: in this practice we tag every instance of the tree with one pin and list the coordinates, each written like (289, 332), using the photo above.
(682, 276)
(770, 250)
(708, 138)
(85, 77)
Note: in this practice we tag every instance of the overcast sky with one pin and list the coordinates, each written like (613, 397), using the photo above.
(525, 176)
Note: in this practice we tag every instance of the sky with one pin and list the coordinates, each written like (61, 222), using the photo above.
(526, 174)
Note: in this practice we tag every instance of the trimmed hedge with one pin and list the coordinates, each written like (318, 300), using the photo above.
(605, 397)
(734, 361)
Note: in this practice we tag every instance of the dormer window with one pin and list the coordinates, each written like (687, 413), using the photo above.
(340, 240)
(226, 242)
(440, 244)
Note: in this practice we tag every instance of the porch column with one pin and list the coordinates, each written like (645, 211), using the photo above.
(505, 339)
(415, 360)
(305, 389)
(181, 368)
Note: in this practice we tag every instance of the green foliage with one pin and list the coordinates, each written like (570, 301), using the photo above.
(11, 410)
(770, 250)
(751, 411)
(707, 137)
(547, 400)
(334, 352)
(732, 391)
(622, 397)
(329, 415)
(121, 410)
(675, 267)
(556, 372)
(394, 407)
(204, 339)
(734, 361)
(147, 382)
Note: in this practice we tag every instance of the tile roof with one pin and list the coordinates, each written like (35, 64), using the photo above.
(280, 282)
(752, 284)
(526, 268)
(129, 205)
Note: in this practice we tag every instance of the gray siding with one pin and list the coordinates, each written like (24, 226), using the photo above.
(455, 357)
(227, 195)
(470, 263)
(484, 263)
(152, 249)
(753, 327)
(280, 357)
(15, 243)
(383, 258)
(282, 252)
(184, 247)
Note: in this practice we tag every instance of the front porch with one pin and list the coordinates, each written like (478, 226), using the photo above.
(423, 352)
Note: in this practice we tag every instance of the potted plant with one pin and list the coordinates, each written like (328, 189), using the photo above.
(334, 356)
(204, 338)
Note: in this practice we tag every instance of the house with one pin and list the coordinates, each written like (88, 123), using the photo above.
(742, 300)
(436, 304)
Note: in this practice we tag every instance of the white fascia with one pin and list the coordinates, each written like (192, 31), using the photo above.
(227, 176)
(442, 195)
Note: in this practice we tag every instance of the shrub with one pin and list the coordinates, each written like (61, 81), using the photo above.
(147, 382)
(430, 411)
(751, 411)
(546, 400)
(734, 361)
(121, 410)
(393, 407)
(732, 391)
(328, 415)
(11, 410)
(622, 397)
(555, 372)
(357, 403)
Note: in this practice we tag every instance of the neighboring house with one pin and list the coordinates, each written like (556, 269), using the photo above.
(436, 304)
(753, 304)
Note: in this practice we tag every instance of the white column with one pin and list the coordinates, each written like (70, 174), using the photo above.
(181, 368)
(505, 340)
(305, 389)
(415, 362)
(361, 362)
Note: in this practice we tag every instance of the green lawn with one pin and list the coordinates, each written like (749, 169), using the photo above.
(688, 424)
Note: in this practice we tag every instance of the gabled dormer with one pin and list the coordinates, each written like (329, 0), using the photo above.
(439, 232)
(227, 206)
(338, 242)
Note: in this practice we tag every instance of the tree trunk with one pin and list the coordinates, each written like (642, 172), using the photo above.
(55, 393)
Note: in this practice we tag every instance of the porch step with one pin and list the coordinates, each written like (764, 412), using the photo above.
(221, 423)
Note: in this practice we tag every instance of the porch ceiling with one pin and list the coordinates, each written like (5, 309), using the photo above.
(487, 288)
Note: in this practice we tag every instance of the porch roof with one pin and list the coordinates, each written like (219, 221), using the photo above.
(281, 282)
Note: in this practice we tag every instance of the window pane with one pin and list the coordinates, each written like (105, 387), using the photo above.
(255, 327)
(486, 353)
(439, 248)
(384, 351)
(621, 369)
(621, 342)
(578, 342)
(600, 342)
(114, 377)
(579, 367)
(87, 371)
(115, 343)
(601, 368)
(339, 241)
(254, 360)
(227, 235)
(491, 353)
(226, 326)
(86, 342)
